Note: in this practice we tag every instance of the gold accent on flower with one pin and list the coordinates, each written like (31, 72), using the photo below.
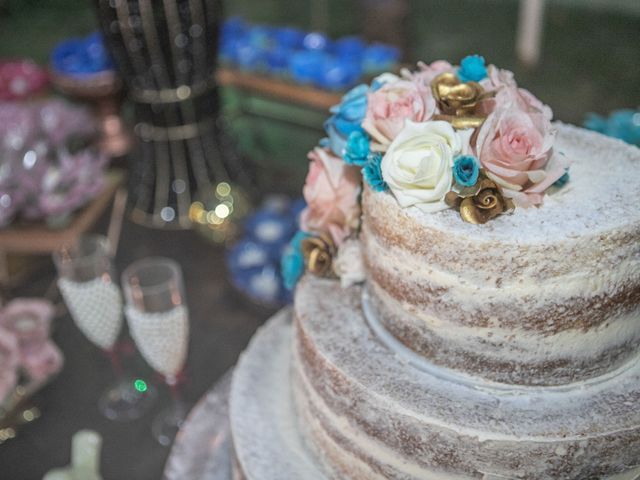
(318, 254)
(480, 203)
(461, 123)
(458, 101)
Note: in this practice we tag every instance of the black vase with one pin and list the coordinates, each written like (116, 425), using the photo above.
(166, 51)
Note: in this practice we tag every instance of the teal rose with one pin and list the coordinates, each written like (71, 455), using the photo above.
(357, 150)
(472, 69)
(346, 118)
(466, 170)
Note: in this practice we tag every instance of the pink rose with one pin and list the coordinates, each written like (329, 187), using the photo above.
(508, 92)
(29, 320)
(426, 73)
(43, 362)
(514, 146)
(331, 191)
(392, 104)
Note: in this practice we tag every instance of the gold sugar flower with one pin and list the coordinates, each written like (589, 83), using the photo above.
(318, 254)
(480, 203)
(458, 101)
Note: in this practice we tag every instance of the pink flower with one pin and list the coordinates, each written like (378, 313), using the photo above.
(28, 319)
(390, 106)
(43, 362)
(508, 92)
(427, 73)
(331, 191)
(21, 79)
(514, 146)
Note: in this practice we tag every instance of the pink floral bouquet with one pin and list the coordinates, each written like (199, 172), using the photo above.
(27, 355)
(444, 136)
(50, 166)
(21, 79)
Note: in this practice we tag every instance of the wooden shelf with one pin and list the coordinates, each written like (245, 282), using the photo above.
(278, 89)
(40, 239)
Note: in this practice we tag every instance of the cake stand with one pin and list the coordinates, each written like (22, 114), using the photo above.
(266, 437)
(202, 449)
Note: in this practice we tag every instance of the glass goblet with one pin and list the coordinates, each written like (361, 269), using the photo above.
(86, 282)
(158, 320)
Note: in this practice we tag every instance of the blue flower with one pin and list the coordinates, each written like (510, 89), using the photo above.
(270, 228)
(466, 170)
(472, 69)
(357, 149)
(622, 124)
(372, 173)
(292, 263)
(562, 181)
(346, 118)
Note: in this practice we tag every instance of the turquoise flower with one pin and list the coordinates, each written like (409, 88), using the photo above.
(562, 181)
(372, 173)
(466, 170)
(292, 262)
(346, 118)
(357, 149)
(622, 124)
(472, 69)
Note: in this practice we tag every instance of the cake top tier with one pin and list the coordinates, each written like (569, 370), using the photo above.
(602, 196)
(462, 150)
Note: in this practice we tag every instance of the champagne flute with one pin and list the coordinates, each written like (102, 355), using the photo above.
(159, 323)
(86, 282)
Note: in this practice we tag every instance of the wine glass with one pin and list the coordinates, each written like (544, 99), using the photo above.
(86, 282)
(159, 323)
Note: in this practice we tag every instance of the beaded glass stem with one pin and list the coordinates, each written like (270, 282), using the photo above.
(159, 323)
(86, 281)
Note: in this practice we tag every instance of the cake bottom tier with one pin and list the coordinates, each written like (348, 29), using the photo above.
(367, 412)
(264, 430)
(342, 405)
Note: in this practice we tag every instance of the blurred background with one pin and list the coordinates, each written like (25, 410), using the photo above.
(188, 139)
(588, 52)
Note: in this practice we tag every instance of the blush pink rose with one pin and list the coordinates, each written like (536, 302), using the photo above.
(29, 320)
(427, 72)
(43, 362)
(392, 104)
(507, 92)
(331, 191)
(514, 146)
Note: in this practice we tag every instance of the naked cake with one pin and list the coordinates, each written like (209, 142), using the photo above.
(468, 295)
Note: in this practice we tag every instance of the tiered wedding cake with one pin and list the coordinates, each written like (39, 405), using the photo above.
(480, 311)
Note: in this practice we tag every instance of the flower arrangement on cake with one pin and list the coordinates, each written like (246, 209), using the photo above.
(442, 137)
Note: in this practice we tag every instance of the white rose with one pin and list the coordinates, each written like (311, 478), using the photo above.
(418, 164)
(386, 77)
(348, 264)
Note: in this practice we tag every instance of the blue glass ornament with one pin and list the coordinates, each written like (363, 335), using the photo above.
(316, 41)
(380, 57)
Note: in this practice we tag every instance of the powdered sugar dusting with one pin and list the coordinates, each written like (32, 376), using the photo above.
(602, 194)
(437, 423)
